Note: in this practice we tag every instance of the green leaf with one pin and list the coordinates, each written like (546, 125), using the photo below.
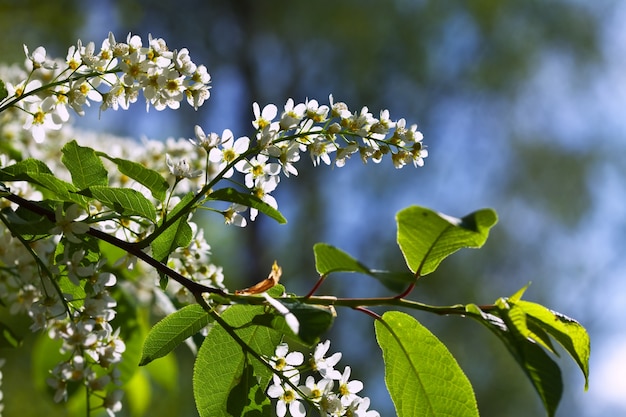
(125, 201)
(248, 398)
(233, 196)
(422, 376)
(221, 364)
(147, 177)
(541, 370)
(519, 320)
(84, 166)
(330, 259)
(568, 332)
(35, 171)
(28, 224)
(20, 170)
(177, 235)
(61, 189)
(426, 237)
(174, 329)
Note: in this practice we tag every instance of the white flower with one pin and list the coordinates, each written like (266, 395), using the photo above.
(204, 141)
(382, 126)
(331, 405)
(317, 391)
(417, 155)
(38, 58)
(315, 112)
(323, 365)
(79, 94)
(232, 216)
(339, 109)
(261, 190)
(112, 403)
(292, 115)
(319, 149)
(172, 88)
(67, 224)
(359, 408)
(287, 153)
(181, 169)
(183, 63)
(257, 169)
(40, 120)
(287, 397)
(345, 153)
(73, 59)
(347, 388)
(230, 151)
(263, 118)
(283, 360)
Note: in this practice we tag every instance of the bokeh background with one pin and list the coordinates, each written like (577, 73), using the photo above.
(522, 108)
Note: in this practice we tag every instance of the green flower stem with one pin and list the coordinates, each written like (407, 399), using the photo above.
(45, 87)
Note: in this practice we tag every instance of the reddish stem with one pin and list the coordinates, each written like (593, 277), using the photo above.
(316, 286)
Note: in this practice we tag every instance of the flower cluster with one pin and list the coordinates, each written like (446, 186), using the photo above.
(113, 76)
(333, 394)
(320, 130)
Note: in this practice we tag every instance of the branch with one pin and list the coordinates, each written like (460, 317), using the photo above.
(192, 286)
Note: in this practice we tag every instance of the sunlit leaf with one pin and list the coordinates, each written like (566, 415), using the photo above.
(221, 363)
(330, 259)
(520, 321)
(147, 177)
(233, 196)
(426, 237)
(84, 166)
(168, 333)
(541, 370)
(37, 172)
(422, 376)
(125, 201)
(177, 235)
(568, 332)
(247, 398)
(27, 166)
